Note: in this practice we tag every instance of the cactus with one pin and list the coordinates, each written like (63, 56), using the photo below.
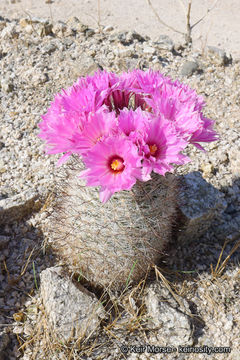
(112, 243)
(125, 132)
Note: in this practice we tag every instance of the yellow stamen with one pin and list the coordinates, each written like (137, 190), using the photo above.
(153, 149)
(116, 165)
(99, 138)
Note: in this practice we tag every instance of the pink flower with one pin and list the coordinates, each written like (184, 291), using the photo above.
(183, 116)
(125, 126)
(100, 125)
(112, 164)
(81, 99)
(148, 82)
(120, 93)
(162, 148)
(101, 81)
(205, 133)
(175, 102)
(133, 124)
(113, 90)
(58, 127)
(67, 117)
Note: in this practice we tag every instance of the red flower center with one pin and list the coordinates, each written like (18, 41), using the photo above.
(146, 107)
(116, 164)
(153, 149)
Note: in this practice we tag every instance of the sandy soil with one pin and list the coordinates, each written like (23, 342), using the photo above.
(219, 28)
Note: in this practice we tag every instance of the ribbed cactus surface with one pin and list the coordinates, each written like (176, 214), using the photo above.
(112, 243)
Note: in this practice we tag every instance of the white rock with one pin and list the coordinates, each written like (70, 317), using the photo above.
(6, 85)
(72, 311)
(108, 28)
(165, 314)
(149, 50)
(16, 207)
(127, 51)
(29, 29)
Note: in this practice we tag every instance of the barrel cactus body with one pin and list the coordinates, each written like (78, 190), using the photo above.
(112, 243)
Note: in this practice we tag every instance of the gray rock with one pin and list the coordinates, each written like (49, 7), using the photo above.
(72, 311)
(124, 38)
(84, 66)
(220, 55)
(4, 240)
(35, 76)
(137, 36)
(9, 32)
(16, 207)
(67, 42)
(7, 85)
(127, 38)
(4, 340)
(165, 313)
(89, 33)
(59, 28)
(49, 48)
(200, 203)
(39, 78)
(189, 67)
(74, 24)
(127, 64)
(164, 43)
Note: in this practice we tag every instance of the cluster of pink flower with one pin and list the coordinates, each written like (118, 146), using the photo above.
(125, 126)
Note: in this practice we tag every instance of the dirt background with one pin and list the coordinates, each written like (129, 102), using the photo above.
(221, 27)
